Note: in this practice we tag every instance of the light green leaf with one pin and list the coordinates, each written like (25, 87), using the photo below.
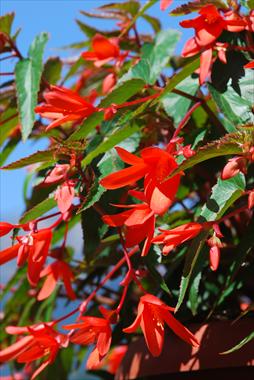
(38, 210)
(28, 75)
(8, 120)
(176, 105)
(237, 109)
(154, 57)
(110, 141)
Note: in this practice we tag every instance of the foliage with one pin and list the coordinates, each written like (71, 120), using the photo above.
(130, 126)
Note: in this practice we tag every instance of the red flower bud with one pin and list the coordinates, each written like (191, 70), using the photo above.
(233, 167)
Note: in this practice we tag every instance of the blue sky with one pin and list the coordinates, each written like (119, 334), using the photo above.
(58, 18)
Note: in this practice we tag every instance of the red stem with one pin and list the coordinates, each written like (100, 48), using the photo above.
(185, 119)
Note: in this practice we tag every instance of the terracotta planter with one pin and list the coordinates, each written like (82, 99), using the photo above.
(182, 361)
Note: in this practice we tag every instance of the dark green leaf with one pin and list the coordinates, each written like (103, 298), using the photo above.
(154, 57)
(131, 7)
(52, 70)
(154, 22)
(6, 23)
(40, 156)
(8, 120)
(8, 149)
(224, 194)
(28, 75)
(93, 196)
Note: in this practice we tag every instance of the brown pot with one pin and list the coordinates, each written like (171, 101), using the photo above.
(182, 361)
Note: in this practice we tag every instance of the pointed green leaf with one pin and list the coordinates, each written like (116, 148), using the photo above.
(6, 23)
(40, 156)
(28, 75)
(38, 210)
(154, 57)
(242, 343)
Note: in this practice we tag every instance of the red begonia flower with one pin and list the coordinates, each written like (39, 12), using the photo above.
(64, 105)
(5, 228)
(154, 165)
(164, 4)
(103, 50)
(251, 199)
(32, 248)
(152, 314)
(57, 174)
(139, 223)
(53, 272)
(176, 236)
(210, 24)
(42, 342)
(64, 196)
(89, 331)
(108, 83)
(249, 65)
(234, 166)
(115, 358)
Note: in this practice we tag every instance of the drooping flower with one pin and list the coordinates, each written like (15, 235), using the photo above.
(57, 174)
(155, 165)
(249, 65)
(43, 342)
(234, 166)
(138, 221)
(59, 270)
(152, 314)
(64, 196)
(172, 238)
(5, 228)
(103, 50)
(115, 357)
(210, 24)
(89, 331)
(164, 4)
(32, 248)
(64, 105)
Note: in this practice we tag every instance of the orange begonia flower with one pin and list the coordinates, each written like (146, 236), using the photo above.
(53, 272)
(89, 331)
(139, 223)
(154, 165)
(176, 236)
(32, 248)
(64, 105)
(103, 50)
(164, 4)
(42, 342)
(64, 196)
(152, 314)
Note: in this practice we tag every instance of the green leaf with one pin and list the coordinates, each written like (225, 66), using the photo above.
(186, 71)
(176, 105)
(6, 22)
(237, 109)
(8, 120)
(110, 141)
(28, 75)
(229, 144)
(87, 29)
(224, 194)
(93, 196)
(40, 156)
(38, 210)
(239, 345)
(250, 4)
(154, 57)
(119, 95)
(123, 92)
(130, 6)
(154, 22)
(8, 149)
(52, 70)
(141, 12)
(194, 293)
